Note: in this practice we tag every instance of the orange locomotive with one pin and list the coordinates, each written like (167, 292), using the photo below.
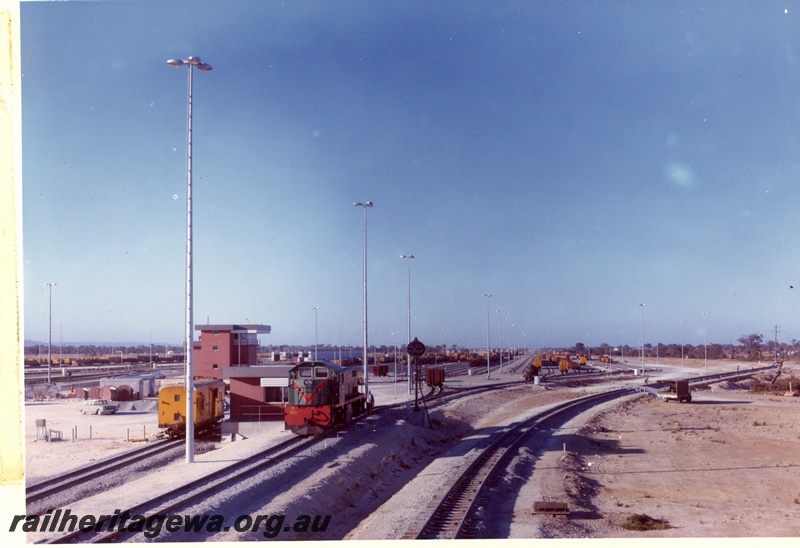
(322, 395)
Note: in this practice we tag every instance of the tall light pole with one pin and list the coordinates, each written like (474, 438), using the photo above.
(488, 347)
(682, 364)
(705, 340)
(512, 355)
(49, 331)
(408, 356)
(501, 339)
(316, 332)
(642, 305)
(365, 205)
(189, 344)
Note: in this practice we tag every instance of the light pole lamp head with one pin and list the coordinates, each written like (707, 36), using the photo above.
(195, 61)
(365, 204)
(407, 257)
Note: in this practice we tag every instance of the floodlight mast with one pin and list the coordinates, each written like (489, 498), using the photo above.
(488, 345)
(50, 335)
(408, 355)
(365, 205)
(189, 337)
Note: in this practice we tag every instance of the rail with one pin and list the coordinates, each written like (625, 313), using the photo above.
(201, 489)
(451, 513)
(96, 470)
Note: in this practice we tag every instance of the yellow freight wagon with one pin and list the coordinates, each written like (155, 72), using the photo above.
(209, 407)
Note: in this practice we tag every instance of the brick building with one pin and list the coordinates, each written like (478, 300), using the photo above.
(226, 345)
(258, 392)
(230, 352)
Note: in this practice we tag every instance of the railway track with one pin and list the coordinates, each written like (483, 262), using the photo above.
(209, 487)
(213, 485)
(201, 489)
(452, 514)
(435, 398)
(96, 471)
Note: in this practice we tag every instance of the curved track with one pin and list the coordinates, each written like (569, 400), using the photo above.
(451, 513)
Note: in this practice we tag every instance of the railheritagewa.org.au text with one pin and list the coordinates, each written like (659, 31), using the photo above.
(64, 521)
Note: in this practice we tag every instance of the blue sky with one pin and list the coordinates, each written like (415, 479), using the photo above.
(572, 159)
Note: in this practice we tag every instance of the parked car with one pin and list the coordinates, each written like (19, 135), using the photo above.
(98, 407)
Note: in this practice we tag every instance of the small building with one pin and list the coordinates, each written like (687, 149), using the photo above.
(226, 345)
(128, 387)
(258, 392)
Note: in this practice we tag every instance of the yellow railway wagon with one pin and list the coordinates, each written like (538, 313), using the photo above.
(209, 407)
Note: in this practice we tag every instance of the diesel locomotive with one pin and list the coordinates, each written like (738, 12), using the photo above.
(321, 395)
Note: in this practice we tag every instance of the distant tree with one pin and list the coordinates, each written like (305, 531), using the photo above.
(794, 346)
(672, 351)
(752, 345)
(716, 352)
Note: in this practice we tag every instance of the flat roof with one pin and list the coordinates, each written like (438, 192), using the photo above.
(335, 366)
(235, 328)
(256, 371)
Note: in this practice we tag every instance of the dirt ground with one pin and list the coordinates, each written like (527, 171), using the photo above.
(724, 465)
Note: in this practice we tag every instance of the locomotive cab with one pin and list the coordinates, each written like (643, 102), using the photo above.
(322, 395)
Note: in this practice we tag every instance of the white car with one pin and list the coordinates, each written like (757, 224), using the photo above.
(98, 407)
